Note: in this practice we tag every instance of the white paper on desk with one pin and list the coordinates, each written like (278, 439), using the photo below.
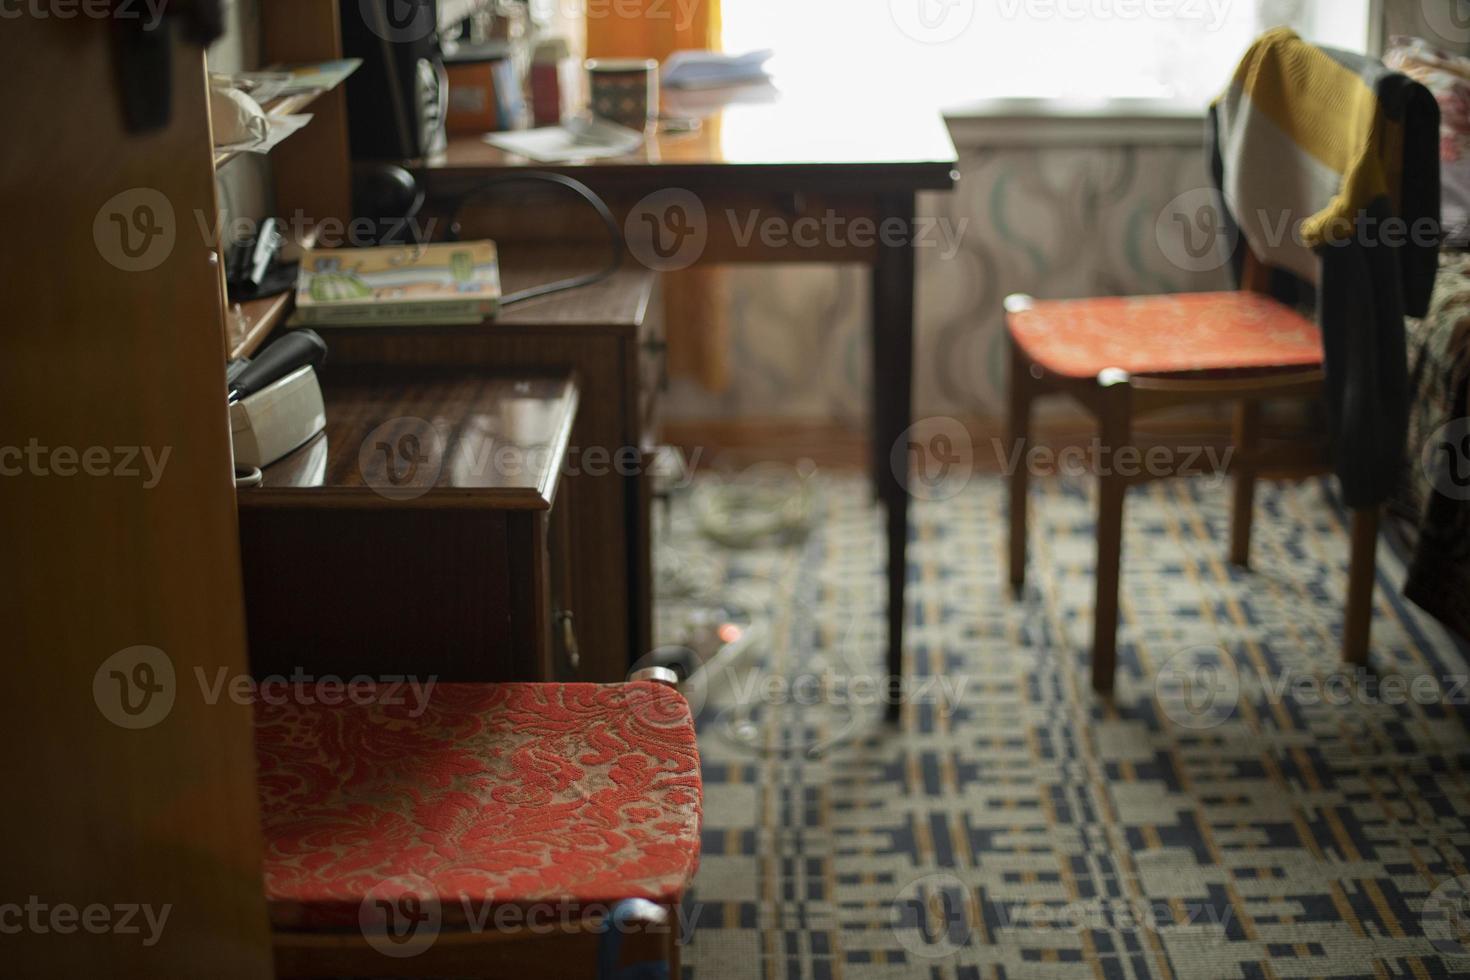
(578, 141)
(711, 69)
(280, 128)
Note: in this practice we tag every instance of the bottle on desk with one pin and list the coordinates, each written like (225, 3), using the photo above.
(546, 83)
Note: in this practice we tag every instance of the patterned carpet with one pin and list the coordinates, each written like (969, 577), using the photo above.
(1243, 808)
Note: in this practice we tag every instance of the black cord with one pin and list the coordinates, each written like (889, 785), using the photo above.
(614, 233)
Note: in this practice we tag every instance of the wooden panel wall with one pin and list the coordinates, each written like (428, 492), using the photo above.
(103, 354)
(312, 169)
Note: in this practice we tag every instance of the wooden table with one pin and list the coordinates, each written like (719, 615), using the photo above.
(423, 533)
(808, 165)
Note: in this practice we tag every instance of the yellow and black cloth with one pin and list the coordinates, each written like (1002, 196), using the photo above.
(1328, 163)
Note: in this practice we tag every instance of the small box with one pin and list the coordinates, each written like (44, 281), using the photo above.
(472, 103)
(277, 419)
(485, 91)
(546, 81)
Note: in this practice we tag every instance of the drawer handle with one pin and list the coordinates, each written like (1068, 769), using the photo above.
(569, 638)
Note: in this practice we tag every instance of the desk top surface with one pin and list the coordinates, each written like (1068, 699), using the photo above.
(788, 138)
(416, 437)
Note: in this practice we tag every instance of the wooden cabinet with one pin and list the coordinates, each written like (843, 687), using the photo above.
(127, 788)
(423, 533)
(609, 337)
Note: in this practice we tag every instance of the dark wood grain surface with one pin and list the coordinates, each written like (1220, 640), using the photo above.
(620, 301)
(430, 438)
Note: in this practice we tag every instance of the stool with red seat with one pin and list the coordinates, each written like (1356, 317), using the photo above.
(491, 830)
(1126, 357)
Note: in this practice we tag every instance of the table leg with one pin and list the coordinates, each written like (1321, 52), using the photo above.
(893, 383)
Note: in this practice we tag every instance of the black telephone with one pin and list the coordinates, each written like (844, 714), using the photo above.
(251, 270)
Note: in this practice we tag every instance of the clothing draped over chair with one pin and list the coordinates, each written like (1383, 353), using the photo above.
(1338, 187)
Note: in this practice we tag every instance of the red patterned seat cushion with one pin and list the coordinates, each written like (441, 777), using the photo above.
(496, 794)
(1187, 332)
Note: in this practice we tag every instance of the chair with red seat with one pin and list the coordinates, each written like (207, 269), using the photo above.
(492, 830)
(1327, 167)
(1127, 357)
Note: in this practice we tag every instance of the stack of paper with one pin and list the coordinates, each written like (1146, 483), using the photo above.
(709, 69)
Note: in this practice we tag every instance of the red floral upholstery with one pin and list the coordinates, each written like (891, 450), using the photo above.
(1166, 334)
(497, 793)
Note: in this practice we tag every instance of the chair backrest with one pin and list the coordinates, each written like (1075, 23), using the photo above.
(1317, 147)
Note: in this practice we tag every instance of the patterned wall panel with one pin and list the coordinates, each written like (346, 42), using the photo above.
(1054, 221)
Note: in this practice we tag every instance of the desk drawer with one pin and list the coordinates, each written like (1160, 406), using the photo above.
(443, 593)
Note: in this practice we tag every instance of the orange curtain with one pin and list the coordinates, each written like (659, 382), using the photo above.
(651, 28)
(695, 300)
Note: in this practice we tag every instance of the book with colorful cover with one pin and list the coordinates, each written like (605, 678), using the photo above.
(449, 282)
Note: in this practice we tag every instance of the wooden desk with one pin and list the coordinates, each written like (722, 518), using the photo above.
(792, 160)
(421, 534)
(609, 337)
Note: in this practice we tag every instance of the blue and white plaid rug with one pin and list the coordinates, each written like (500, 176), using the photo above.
(1245, 807)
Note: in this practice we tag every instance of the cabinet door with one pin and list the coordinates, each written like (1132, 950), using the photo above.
(129, 791)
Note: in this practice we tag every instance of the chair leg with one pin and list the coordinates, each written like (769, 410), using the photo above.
(1358, 622)
(1018, 439)
(1112, 491)
(1242, 508)
(675, 958)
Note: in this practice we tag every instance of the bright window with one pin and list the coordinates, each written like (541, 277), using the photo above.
(952, 52)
